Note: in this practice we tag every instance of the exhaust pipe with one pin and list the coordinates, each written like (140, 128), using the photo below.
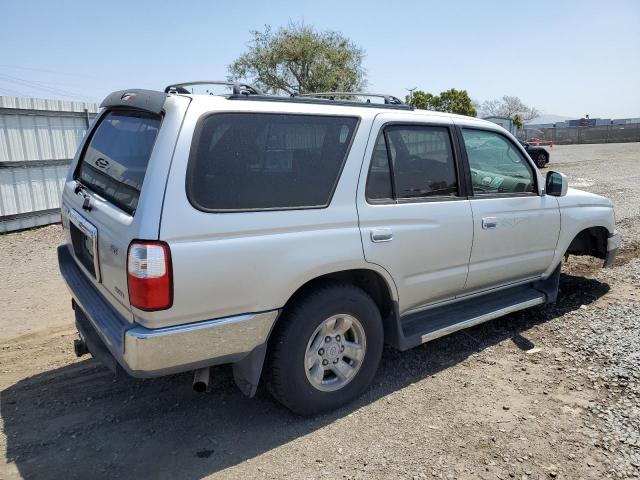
(201, 380)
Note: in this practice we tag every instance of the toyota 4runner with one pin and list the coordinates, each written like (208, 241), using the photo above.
(293, 237)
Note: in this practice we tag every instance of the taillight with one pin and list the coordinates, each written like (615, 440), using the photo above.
(149, 275)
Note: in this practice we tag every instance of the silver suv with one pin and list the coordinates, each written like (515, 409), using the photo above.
(293, 237)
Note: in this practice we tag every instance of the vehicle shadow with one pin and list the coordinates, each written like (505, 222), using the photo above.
(78, 422)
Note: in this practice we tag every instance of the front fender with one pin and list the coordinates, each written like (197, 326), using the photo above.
(579, 211)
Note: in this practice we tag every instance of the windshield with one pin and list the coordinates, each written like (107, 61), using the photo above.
(115, 160)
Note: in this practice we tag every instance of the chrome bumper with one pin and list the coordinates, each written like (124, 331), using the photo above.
(144, 352)
(613, 244)
(196, 345)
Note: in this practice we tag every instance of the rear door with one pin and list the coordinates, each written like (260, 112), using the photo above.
(114, 190)
(515, 227)
(415, 219)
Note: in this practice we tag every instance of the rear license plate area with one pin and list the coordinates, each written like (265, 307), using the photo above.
(84, 240)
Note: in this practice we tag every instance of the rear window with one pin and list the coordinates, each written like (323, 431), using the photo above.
(115, 160)
(254, 161)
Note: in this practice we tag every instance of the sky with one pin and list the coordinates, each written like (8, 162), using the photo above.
(567, 58)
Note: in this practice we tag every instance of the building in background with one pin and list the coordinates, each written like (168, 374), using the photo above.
(38, 140)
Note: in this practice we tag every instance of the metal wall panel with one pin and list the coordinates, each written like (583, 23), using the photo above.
(38, 139)
(31, 137)
(44, 104)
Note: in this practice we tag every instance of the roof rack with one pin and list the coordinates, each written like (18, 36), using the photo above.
(245, 91)
(238, 88)
(388, 99)
(318, 101)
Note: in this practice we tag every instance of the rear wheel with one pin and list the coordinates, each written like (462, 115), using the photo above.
(541, 160)
(325, 350)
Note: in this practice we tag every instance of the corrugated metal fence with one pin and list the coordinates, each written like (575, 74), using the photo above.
(38, 139)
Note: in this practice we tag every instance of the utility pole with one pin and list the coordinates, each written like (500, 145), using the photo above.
(410, 90)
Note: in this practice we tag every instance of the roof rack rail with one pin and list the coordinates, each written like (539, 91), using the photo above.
(318, 101)
(388, 99)
(238, 88)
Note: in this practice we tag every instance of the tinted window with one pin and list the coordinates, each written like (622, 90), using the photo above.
(422, 160)
(115, 161)
(379, 179)
(260, 161)
(497, 166)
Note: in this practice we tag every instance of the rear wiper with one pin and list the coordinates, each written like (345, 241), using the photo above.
(80, 189)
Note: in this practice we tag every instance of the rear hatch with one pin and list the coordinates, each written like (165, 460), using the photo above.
(114, 191)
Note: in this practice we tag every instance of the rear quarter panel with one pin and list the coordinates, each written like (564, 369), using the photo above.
(231, 263)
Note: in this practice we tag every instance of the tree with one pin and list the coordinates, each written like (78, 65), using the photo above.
(517, 120)
(508, 107)
(299, 59)
(452, 101)
(422, 100)
(456, 101)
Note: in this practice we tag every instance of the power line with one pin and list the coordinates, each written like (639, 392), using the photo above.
(40, 86)
(18, 67)
(11, 92)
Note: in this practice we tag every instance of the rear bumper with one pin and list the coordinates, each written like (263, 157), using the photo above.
(144, 352)
(613, 244)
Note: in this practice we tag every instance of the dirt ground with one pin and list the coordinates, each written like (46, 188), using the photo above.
(550, 392)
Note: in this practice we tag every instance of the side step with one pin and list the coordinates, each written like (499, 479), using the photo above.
(421, 327)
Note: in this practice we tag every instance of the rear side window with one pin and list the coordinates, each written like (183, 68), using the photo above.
(379, 179)
(115, 160)
(422, 161)
(243, 161)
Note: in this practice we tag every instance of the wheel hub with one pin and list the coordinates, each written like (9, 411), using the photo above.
(332, 351)
(335, 352)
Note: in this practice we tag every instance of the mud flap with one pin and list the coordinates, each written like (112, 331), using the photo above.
(246, 372)
(550, 286)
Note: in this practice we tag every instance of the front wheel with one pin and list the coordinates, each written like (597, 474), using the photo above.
(541, 160)
(325, 350)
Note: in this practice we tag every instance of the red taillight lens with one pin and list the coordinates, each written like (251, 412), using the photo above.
(149, 275)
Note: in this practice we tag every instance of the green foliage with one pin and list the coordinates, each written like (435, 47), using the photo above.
(452, 101)
(517, 120)
(423, 100)
(298, 59)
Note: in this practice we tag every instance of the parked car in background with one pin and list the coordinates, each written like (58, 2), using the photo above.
(538, 154)
(293, 237)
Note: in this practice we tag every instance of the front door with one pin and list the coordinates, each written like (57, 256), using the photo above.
(414, 218)
(515, 228)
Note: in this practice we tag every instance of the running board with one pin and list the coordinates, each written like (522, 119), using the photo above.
(427, 325)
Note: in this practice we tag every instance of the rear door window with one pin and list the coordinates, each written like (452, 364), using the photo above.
(243, 161)
(379, 184)
(422, 161)
(115, 160)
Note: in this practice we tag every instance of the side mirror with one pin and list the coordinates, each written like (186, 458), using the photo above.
(556, 184)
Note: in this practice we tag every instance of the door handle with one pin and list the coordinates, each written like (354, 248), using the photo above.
(381, 235)
(489, 223)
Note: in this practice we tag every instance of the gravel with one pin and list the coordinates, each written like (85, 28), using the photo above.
(605, 348)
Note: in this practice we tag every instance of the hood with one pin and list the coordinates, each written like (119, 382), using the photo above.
(581, 198)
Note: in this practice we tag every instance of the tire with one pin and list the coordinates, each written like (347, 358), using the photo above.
(298, 339)
(541, 160)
